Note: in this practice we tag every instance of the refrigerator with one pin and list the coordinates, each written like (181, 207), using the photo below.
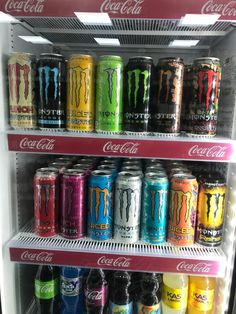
(143, 27)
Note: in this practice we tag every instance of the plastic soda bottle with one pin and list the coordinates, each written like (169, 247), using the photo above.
(174, 294)
(120, 300)
(201, 295)
(72, 295)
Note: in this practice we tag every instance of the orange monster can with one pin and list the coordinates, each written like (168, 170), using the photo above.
(182, 209)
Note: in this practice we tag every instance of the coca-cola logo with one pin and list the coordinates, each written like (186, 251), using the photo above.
(133, 7)
(42, 144)
(42, 257)
(94, 295)
(126, 148)
(224, 9)
(26, 6)
(121, 262)
(215, 151)
(194, 268)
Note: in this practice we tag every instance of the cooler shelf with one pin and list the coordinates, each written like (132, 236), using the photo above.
(181, 147)
(26, 247)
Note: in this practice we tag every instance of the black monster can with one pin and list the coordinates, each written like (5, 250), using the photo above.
(202, 118)
(138, 94)
(52, 91)
(167, 107)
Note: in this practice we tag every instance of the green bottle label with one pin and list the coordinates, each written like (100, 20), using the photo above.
(46, 290)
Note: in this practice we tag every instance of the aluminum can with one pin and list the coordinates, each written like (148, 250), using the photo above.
(109, 94)
(138, 94)
(154, 208)
(211, 208)
(100, 201)
(52, 91)
(202, 118)
(166, 110)
(109, 167)
(61, 166)
(133, 169)
(182, 209)
(46, 191)
(127, 207)
(73, 204)
(132, 163)
(155, 168)
(80, 93)
(22, 103)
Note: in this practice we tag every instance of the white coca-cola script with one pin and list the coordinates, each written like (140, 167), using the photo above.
(42, 257)
(195, 268)
(126, 148)
(133, 7)
(121, 262)
(93, 295)
(26, 6)
(215, 151)
(224, 9)
(42, 144)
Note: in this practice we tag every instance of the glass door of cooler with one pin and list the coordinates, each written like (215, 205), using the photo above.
(128, 81)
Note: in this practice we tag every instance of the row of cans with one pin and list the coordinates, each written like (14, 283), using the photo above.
(129, 201)
(109, 97)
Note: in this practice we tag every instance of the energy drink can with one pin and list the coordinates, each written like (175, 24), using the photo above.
(109, 94)
(21, 74)
(80, 93)
(127, 207)
(52, 91)
(167, 108)
(202, 119)
(138, 94)
(100, 201)
(183, 207)
(154, 208)
(187, 97)
(46, 191)
(211, 207)
(109, 167)
(73, 204)
(61, 166)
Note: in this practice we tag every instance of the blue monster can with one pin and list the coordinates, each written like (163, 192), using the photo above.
(154, 208)
(100, 201)
(72, 290)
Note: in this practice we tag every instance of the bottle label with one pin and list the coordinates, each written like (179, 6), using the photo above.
(71, 287)
(96, 296)
(175, 298)
(120, 309)
(201, 299)
(46, 290)
(152, 309)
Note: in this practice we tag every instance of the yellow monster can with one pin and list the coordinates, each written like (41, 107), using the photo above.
(80, 93)
(210, 212)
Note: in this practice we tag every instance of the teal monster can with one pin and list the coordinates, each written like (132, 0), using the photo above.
(109, 94)
(154, 208)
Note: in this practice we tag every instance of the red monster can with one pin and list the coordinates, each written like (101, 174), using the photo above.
(46, 188)
(73, 203)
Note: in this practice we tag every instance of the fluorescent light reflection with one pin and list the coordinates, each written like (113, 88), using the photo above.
(199, 19)
(89, 18)
(107, 41)
(183, 43)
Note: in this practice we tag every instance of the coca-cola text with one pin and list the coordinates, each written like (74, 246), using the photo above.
(194, 268)
(215, 151)
(25, 6)
(42, 144)
(121, 262)
(122, 7)
(126, 148)
(224, 9)
(42, 257)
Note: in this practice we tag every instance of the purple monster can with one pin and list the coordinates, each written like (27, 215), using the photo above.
(73, 204)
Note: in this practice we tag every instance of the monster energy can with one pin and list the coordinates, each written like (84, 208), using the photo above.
(109, 94)
(154, 208)
(167, 107)
(80, 93)
(21, 73)
(211, 207)
(127, 207)
(138, 95)
(100, 211)
(52, 91)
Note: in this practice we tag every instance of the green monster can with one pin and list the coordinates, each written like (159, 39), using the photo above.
(109, 94)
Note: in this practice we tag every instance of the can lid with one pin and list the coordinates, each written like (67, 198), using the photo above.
(74, 172)
(80, 165)
(23, 54)
(176, 59)
(47, 170)
(78, 55)
(141, 57)
(103, 173)
(131, 168)
(110, 57)
(156, 176)
(183, 176)
(207, 58)
(57, 164)
(128, 175)
(51, 55)
(107, 166)
(214, 178)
